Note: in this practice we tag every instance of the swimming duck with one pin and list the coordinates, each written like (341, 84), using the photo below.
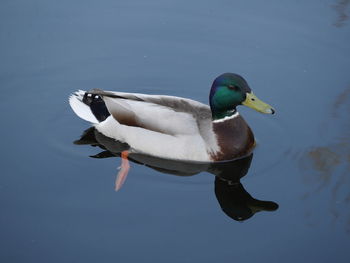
(174, 127)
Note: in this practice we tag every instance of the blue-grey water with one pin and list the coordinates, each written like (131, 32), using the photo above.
(59, 205)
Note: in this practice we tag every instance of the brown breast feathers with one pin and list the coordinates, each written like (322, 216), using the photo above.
(234, 137)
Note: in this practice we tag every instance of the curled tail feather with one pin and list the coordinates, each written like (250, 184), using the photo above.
(88, 106)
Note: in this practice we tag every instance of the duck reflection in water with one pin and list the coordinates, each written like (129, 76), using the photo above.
(234, 200)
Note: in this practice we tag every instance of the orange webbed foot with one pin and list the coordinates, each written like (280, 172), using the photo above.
(123, 172)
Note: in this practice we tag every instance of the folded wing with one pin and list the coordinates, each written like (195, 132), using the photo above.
(165, 114)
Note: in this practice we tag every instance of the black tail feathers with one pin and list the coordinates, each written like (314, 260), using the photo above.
(97, 106)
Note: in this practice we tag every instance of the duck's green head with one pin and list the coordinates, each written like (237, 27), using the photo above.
(230, 90)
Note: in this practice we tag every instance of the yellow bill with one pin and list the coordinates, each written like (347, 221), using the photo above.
(253, 102)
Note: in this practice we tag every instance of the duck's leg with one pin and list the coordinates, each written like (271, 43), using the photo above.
(123, 172)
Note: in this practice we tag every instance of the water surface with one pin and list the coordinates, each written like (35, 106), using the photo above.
(59, 205)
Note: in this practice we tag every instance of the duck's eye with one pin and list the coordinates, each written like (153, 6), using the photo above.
(233, 87)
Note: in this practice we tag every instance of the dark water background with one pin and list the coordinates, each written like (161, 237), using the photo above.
(59, 205)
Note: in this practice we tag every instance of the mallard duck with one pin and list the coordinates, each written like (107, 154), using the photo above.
(174, 127)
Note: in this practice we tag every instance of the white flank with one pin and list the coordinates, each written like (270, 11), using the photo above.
(227, 118)
(181, 147)
(80, 108)
(209, 137)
